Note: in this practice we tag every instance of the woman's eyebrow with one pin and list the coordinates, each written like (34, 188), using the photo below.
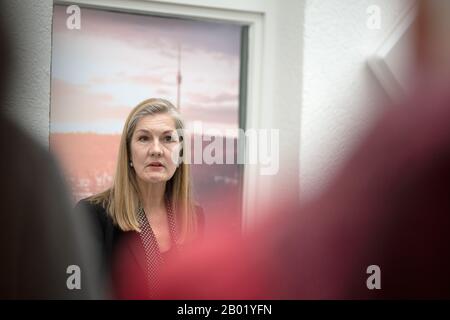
(149, 131)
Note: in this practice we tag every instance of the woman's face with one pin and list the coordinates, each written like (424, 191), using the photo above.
(154, 145)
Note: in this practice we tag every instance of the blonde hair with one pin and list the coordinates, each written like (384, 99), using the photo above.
(122, 199)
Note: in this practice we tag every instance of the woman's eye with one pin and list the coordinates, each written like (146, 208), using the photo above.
(168, 139)
(143, 138)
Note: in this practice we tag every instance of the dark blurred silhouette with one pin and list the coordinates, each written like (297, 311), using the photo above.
(40, 238)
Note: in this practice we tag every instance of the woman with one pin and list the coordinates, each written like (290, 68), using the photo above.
(150, 200)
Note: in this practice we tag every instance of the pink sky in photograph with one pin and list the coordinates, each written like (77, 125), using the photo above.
(116, 60)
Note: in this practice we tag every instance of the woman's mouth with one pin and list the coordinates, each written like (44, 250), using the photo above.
(156, 165)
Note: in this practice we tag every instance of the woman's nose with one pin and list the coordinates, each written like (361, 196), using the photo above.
(155, 148)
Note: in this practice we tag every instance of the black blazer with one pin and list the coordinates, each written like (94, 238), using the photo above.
(108, 239)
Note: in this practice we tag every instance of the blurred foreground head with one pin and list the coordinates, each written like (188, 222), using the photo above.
(5, 57)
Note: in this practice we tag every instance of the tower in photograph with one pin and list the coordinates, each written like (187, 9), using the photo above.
(179, 77)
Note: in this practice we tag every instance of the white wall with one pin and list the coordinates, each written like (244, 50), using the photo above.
(341, 98)
(28, 99)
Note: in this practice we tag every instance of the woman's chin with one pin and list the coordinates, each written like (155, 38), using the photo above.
(155, 179)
